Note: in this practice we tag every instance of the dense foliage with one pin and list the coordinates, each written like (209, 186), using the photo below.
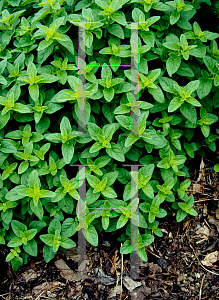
(40, 98)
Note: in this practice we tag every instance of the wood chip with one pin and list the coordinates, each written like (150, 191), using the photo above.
(72, 253)
(215, 222)
(140, 293)
(217, 213)
(154, 268)
(197, 188)
(201, 171)
(29, 275)
(205, 210)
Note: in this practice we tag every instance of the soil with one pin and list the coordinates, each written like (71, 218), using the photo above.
(183, 264)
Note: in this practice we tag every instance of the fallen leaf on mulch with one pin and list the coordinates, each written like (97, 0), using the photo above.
(68, 273)
(114, 261)
(29, 275)
(210, 259)
(203, 232)
(116, 290)
(44, 287)
(104, 279)
(130, 284)
(197, 188)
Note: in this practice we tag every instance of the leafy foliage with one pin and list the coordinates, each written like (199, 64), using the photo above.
(43, 96)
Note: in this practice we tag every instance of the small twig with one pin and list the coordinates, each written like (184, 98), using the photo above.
(39, 262)
(200, 292)
(154, 253)
(203, 240)
(121, 275)
(204, 200)
(9, 295)
(207, 224)
(38, 297)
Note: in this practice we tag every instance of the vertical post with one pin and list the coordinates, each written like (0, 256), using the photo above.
(82, 220)
(134, 79)
(82, 80)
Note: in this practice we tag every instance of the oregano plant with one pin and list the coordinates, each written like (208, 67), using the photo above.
(149, 99)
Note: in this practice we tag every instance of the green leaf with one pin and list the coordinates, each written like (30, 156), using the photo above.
(33, 178)
(121, 222)
(147, 239)
(126, 247)
(174, 17)
(91, 196)
(204, 87)
(16, 263)
(172, 46)
(119, 17)
(189, 112)
(142, 254)
(15, 242)
(34, 91)
(175, 103)
(68, 44)
(92, 180)
(210, 63)
(69, 227)
(31, 248)
(205, 130)
(173, 64)
(109, 192)
(18, 227)
(48, 253)
(115, 152)
(37, 209)
(167, 85)
(91, 235)
(157, 94)
(67, 204)
(67, 243)
(94, 129)
(216, 168)
(148, 190)
(180, 215)
(67, 152)
(108, 94)
(47, 239)
(131, 140)
(105, 222)
(116, 30)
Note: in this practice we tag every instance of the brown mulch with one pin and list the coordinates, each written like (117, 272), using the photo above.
(183, 264)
